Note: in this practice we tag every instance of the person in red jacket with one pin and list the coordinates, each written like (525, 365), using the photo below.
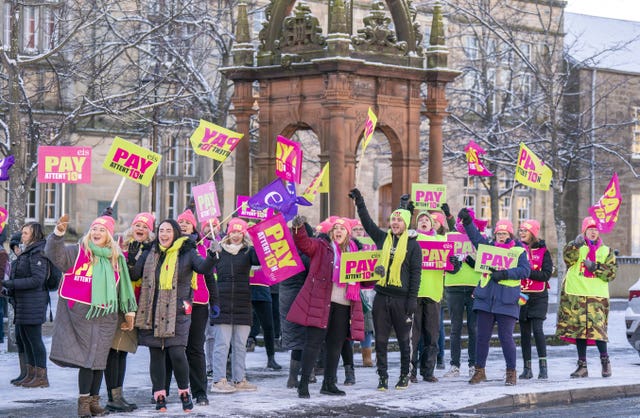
(331, 311)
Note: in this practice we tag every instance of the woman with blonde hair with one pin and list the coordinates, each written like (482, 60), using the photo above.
(95, 287)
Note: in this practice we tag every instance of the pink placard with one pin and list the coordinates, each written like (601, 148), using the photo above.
(246, 212)
(461, 244)
(206, 198)
(288, 160)
(435, 255)
(64, 164)
(256, 276)
(275, 249)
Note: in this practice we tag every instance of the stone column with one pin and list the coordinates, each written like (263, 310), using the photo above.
(242, 110)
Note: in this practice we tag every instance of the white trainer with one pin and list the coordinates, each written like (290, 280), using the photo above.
(222, 386)
(454, 371)
(472, 371)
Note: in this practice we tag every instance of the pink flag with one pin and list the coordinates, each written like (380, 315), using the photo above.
(288, 159)
(605, 211)
(4, 215)
(206, 199)
(275, 249)
(476, 168)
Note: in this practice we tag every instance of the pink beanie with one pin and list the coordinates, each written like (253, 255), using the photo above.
(587, 223)
(188, 216)
(324, 227)
(215, 222)
(237, 225)
(146, 218)
(439, 217)
(532, 226)
(344, 222)
(105, 221)
(504, 225)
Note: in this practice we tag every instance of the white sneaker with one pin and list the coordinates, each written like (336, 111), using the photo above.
(245, 386)
(454, 371)
(472, 371)
(222, 386)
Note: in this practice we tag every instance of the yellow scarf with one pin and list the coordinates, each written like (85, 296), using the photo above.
(168, 268)
(401, 251)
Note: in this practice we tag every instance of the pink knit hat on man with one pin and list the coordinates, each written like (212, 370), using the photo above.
(504, 225)
(587, 223)
(106, 221)
(146, 218)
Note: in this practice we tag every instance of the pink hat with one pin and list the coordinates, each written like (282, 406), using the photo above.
(504, 225)
(532, 226)
(105, 221)
(344, 222)
(146, 218)
(237, 225)
(587, 223)
(188, 216)
(355, 222)
(324, 227)
(439, 217)
(215, 222)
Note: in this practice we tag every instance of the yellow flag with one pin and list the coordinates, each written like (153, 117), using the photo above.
(214, 141)
(531, 170)
(314, 187)
(324, 180)
(369, 127)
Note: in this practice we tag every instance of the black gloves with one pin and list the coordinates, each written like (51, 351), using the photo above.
(456, 264)
(379, 270)
(356, 196)
(498, 275)
(8, 284)
(298, 221)
(132, 252)
(579, 241)
(465, 216)
(214, 312)
(446, 210)
(407, 204)
(108, 211)
(590, 266)
(411, 306)
(470, 261)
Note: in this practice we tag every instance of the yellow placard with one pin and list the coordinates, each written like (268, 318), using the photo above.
(214, 141)
(358, 266)
(131, 161)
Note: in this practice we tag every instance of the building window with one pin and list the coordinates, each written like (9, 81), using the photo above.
(485, 207)
(32, 204)
(524, 208)
(469, 182)
(189, 161)
(48, 192)
(506, 183)
(505, 207)
(469, 201)
(172, 158)
(635, 146)
(172, 209)
(6, 26)
(30, 28)
(471, 47)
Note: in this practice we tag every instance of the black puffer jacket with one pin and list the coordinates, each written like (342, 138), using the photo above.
(28, 274)
(233, 286)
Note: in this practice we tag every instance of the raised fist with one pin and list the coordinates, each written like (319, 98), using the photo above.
(61, 225)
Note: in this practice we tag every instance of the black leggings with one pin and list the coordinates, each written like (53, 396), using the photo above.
(538, 334)
(34, 349)
(89, 381)
(158, 370)
(581, 345)
(264, 312)
(116, 368)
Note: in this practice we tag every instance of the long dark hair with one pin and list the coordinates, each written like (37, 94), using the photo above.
(177, 233)
(36, 231)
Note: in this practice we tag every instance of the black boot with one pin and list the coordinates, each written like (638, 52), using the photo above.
(349, 375)
(526, 373)
(294, 369)
(329, 387)
(116, 403)
(271, 363)
(303, 387)
(543, 369)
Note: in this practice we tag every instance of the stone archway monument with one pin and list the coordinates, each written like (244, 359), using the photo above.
(327, 82)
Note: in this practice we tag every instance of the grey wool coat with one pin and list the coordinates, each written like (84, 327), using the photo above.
(77, 341)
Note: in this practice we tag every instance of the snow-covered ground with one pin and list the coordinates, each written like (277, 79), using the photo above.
(274, 399)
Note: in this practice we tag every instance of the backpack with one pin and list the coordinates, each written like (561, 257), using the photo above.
(52, 282)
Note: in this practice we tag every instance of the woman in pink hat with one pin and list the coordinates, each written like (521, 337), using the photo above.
(331, 311)
(534, 311)
(95, 287)
(583, 313)
(231, 328)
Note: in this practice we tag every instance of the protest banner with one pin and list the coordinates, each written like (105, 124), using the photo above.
(275, 249)
(288, 160)
(462, 246)
(531, 170)
(5, 164)
(257, 277)
(358, 266)
(244, 211)
(474, 165)
(64, 164)
(435, 255)
(428, 196)
(314, 187)
(131, 161)
(605, 211)
(214, 141)
(206, 200)
(490, 257)
(367, 243)
(4, 216)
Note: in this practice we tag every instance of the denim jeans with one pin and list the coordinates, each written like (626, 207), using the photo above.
(226, 336)
(459, 301)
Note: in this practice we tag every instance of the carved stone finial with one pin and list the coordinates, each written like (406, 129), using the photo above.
(301, 33)
(377, 34)
(242, 51)
(437, 51)
(338, 17)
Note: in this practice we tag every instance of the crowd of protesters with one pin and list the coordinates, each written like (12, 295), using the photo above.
(184, 290)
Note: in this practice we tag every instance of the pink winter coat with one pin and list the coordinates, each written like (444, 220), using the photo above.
(311, 306)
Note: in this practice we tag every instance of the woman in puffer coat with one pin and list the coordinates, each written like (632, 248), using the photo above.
(26, 287)
(331, 311)
(164, 309)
